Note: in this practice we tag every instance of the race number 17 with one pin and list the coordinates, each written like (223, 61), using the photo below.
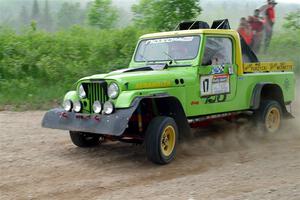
(205, 85)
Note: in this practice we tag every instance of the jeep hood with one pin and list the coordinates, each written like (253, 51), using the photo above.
(141, 78)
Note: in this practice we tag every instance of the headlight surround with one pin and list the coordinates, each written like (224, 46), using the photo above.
(81, 92)
(77, 106)
(108, 108)
(113, 90)
(67, 105)
(97, 107)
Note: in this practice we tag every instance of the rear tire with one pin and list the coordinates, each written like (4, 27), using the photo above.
(84, 140)
(161, 140)
(269, 116)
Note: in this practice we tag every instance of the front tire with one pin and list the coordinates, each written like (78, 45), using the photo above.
(84, 140)
(161, 140)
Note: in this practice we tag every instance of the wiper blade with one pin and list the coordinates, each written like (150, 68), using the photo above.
(145, 59)
(172, 59)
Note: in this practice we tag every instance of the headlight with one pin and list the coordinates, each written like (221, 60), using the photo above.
(97, 107)
(77, 106)
(81, 92)
(108, 107)
(113, 90)
(67, 105)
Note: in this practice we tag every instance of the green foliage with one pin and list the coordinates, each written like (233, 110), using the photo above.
(69, 14)
(102, 14)
(33, 25)
(164, 14)
(38, 67)
(293, 20)
(285, 47)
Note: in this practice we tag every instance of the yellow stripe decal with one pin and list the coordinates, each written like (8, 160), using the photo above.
(148, 85)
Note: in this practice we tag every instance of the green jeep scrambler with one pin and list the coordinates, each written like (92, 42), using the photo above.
(176, 80)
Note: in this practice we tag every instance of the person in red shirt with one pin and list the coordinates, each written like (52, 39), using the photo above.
(269, 11)
(245, 31)
(257, 25)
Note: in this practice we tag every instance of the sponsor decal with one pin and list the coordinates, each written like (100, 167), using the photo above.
(230, 70)
(268, 67)
(195, 103)
(216, 98)
(214, 84)
(218, 69)
(169, 40)
(63, 115)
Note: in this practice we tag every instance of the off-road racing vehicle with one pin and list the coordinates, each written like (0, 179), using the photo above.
(176, 80)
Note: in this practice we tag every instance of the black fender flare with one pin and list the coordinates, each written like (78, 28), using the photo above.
(169, 106)
(257, 93)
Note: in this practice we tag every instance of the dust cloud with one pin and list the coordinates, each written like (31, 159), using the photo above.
(223, 136)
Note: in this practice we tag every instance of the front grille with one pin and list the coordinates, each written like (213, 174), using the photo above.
(96, 91)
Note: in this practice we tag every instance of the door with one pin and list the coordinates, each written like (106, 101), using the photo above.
(217, 74)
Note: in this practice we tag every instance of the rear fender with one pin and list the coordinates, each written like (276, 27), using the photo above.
(267, 91)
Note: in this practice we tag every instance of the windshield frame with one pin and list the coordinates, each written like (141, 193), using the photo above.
(166, 60)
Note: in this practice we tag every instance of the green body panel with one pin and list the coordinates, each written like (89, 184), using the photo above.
(71, 95)
(188, 92)
(241, 98)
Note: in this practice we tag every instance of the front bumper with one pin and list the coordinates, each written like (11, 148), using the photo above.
(114, 124)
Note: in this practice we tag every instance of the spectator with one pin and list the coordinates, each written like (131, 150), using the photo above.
(269, 11)
(256, 24)
(245, 31)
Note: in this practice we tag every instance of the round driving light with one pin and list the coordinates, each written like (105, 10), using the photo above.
(108, 107)
(77, 106)
(67, 105)
(97, 107)
(81, 92)
(113, 90)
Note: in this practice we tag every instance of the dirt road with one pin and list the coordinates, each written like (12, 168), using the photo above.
(231, 163)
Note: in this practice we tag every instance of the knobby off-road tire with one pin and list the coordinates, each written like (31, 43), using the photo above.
(269, 116)
(84, 140)
(161, 140)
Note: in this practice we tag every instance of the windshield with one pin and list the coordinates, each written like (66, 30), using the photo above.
(164, 49)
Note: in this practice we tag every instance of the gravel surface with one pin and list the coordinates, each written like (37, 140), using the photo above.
(229, 163)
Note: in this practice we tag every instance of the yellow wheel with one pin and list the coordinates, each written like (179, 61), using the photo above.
(161, 139)
(269, 116)
(273, 119)
(168, 139)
